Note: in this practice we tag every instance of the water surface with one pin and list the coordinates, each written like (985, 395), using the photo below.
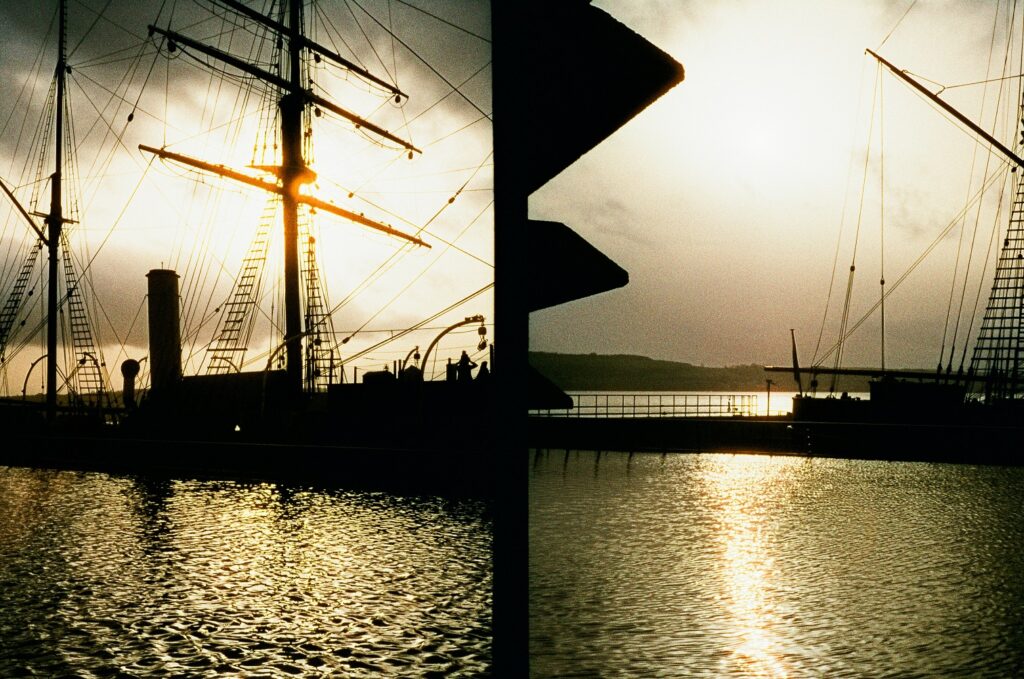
(758, 566)
(117, 576)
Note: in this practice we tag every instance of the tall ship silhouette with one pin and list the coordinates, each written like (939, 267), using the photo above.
(251, 345)
(970, 407)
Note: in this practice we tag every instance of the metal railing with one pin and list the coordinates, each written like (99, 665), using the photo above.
(656, 405)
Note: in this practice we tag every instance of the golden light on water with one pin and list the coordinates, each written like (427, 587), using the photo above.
(153, 576)
(739, 493)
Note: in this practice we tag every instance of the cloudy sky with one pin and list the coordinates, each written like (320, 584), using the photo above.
(726, 198)
(138, 214)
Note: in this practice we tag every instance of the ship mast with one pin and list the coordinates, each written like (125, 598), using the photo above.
(293, 172)
(54, 223)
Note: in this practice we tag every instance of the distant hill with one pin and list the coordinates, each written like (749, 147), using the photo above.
(594, 372)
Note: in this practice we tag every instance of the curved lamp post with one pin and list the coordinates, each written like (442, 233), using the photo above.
(467, 321)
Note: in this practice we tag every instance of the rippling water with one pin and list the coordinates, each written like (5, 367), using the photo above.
(756, 566)
(105, 576)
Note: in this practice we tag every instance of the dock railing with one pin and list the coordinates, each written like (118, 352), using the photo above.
(656, 405)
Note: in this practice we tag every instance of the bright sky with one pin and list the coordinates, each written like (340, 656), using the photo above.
(139, 215)
(724, 199)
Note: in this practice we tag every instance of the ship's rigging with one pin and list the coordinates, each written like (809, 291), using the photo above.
(994, 366)
(84, 374)
(286, 93)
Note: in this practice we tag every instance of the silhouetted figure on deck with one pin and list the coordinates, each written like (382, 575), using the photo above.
(483, 374)
(464, 369)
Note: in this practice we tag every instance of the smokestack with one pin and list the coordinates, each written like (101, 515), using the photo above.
(129, 371)
(164, 330)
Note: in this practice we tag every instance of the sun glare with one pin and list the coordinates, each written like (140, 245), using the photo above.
(737, 493)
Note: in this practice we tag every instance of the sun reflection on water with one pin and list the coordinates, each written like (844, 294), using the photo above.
(741, 495)
(153, 577)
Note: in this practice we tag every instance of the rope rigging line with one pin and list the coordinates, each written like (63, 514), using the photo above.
(394, 55)
(394, 61)
(856, 237)
(971, 202)
(394, 330)
(266, 122)
(240, 79)
(898, 22)
(439, 173)
(370, 176)
(135, 104)
(956, 124)
(102, 16)
(424, 229)
(328, 25)
(197, 274)
(422, 272)
(977, 216)
(222, 311)
(44, 132)
(424, 62)
(405, 249)
(993, 232)
(1013, 224)
(1016, 76)
(452, 307)
(927, 251)
(457, 193)
(32, 77)
(97, 61)
(377, 144)
(126, 81)
(369, 42)
(942, 87)
(449, 23)
(881, 215)
(85, 35)
(84, 272)
(450, 92)
(117, 220)
(33, 73)
(70, 169)
(118, 136)
(454, 132)
(128, 333)
(451, 244)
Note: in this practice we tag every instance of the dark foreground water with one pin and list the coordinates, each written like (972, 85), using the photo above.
(103, 576)
(755, 566)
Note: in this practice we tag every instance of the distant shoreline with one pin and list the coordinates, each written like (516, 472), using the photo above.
(626, 372)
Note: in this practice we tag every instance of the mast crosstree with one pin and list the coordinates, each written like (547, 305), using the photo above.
(293, 172)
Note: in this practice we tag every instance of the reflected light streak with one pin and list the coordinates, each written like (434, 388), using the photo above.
(738, 489)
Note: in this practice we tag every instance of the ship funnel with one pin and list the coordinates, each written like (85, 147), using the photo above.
(129, 371)
(164, 330)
